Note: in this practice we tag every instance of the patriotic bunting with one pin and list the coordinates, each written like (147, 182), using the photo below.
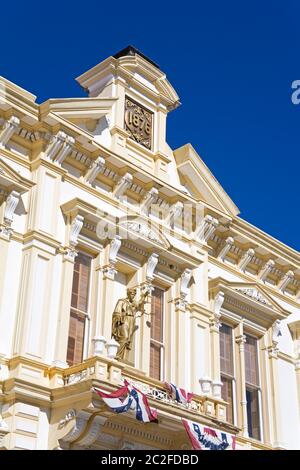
(179, 394)
(129, 398)
(205, 438)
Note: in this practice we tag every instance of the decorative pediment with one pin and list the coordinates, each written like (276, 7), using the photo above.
(254, 294)
(249, 300)
(137, 69)
(136, 228)
(200, 182)
(11, 180)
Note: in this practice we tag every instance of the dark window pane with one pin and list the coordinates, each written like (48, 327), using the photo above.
(157, 314)
(155, 361)
(79, 300)
(253, 413)
(76, 338)
(226, 353)
(251, 365)
(227, 395)
(157, 301)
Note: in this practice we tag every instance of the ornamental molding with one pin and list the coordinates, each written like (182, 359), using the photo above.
(151, 265)
(86, 429)
(9, 128)
(255, 295)
(249, 298)
(11, 180)
(139, 433)
(140, 228)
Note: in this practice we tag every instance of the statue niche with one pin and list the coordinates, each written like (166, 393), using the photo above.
(124, 321)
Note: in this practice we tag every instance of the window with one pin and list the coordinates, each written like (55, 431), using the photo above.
(227, 369)
(157, 334)
(79, 308)
(252, 387)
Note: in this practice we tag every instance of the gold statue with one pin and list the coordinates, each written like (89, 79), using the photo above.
(123, 320)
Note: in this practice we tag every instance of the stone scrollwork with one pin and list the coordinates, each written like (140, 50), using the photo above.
(255, 295)
(218, 302)
(85, 431)
(276, 332)
(151, 265)
(8, 130)
(12, 202)
(75, 229)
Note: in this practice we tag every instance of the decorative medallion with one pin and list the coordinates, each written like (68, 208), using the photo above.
(138, 122)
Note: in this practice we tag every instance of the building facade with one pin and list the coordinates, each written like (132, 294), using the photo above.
(93, 204)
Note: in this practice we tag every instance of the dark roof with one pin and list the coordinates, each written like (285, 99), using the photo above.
(130, 50)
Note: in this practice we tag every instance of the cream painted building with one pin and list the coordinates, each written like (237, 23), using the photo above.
(93, 201)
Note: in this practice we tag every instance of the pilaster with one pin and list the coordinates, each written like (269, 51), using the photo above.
(241, 340)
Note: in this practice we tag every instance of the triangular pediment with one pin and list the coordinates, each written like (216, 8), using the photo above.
(256, 293)
(200, 181)
(10, 179)
(250, 294)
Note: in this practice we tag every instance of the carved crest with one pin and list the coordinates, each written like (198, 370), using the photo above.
(138, 122)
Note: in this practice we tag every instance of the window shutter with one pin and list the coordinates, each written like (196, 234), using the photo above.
(156, 333)
(79, 307)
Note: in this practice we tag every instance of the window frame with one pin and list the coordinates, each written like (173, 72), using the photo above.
(257, 387)
(232, 377)
(85, 315)
(161, 344)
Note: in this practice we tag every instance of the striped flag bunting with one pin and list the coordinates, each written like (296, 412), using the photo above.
(179, 394)
(205, 438)
(129, 398)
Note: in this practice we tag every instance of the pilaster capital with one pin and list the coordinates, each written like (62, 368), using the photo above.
(109, 272)
(241, 340)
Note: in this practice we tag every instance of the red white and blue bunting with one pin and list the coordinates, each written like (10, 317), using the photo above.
(205, 438)
(179, 394)
(129, 398)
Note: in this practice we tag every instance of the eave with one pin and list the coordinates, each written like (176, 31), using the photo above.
(77, 108)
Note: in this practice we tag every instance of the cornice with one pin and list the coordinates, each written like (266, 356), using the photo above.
(279, 249)
(250, 279)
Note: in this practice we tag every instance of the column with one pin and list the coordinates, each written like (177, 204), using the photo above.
(215, 345)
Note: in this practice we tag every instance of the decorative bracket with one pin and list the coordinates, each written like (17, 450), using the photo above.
(122, 185)
(207, 228)
(60, 146)
(226, 248)
(149, 198)
(266, 270)
(115, 245)
(94, 169)
(246, 259)
(9, 212)
(286, 279)
(175, 212)
(8, 130)
(151, 265)
(218, 302)
(75, 229)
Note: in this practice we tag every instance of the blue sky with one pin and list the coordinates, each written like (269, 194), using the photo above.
(232, 64)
